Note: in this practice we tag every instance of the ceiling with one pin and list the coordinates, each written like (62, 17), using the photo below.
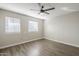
(25, 8)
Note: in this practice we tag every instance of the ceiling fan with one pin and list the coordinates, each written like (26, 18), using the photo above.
(42, 10)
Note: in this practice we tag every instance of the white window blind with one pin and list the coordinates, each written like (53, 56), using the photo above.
(33, 26)
(12, 24)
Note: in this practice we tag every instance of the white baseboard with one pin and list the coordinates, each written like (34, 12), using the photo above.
(18, 43)
(64, 43)
(38, 39)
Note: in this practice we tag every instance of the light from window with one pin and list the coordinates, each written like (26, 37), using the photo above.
(12, 24)
(33, 26)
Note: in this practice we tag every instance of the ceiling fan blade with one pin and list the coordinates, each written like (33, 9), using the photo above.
(46, 12)
(49, 9)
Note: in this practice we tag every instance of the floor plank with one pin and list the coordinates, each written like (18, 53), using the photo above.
(41, 47)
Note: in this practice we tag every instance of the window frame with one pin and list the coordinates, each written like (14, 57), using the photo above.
(15, 22)
(35, 29)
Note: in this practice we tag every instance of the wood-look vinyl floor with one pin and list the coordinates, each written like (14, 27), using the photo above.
(41, 47)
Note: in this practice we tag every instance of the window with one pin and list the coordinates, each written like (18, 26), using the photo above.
(12, 24)
(33, 26)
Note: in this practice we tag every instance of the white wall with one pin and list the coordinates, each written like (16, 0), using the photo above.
(64, 29)
(17, 38)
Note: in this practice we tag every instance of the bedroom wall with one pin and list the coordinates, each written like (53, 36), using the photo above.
(11, 39)
(63, 29)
